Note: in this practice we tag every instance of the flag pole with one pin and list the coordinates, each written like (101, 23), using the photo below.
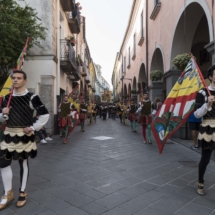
(18, 66)
(201, 76)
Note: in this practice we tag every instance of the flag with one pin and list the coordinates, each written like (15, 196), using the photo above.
(7, 86)
(179, 104)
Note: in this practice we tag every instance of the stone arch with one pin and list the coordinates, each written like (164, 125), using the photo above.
(129, 89)
(194, 29)
(158, 88)
(142, 74)
(134, 84)
(125, 90)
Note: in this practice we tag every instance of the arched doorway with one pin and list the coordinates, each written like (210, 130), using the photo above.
(125, 91)
(192, 33)
(129, 90)
(134, 88)
(158, 88)
(142, 74)
(134, 85)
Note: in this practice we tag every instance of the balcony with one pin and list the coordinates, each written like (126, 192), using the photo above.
(67, 5)
(67, 57)
(87, 78)
(76, 75)
(84, 71)
(74, 21)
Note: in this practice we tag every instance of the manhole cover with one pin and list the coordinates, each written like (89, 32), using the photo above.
(189, 163)
(102, 138)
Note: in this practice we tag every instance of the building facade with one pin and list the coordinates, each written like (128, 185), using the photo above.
(56, 68)
(157, 32)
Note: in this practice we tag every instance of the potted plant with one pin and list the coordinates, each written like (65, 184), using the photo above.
(71, 39)
(156, 75)
(134, 92)
(80, 60)
(181, 61)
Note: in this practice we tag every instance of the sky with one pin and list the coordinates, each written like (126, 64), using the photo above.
(106, 23)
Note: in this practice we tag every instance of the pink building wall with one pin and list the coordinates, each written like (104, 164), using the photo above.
(168, 34)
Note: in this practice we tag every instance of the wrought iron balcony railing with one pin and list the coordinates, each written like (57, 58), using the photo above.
(67, 56)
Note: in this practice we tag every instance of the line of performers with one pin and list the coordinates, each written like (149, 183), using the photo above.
(70, 115)
(141, 114)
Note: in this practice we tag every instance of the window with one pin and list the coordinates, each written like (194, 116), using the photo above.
(122, 65)
(156, 2)
(156, 10)
(129, 56)
(125, 64)
(134, 44)
(141, 23)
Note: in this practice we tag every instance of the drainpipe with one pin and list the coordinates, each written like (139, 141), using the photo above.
(57, 87)
(147, 46)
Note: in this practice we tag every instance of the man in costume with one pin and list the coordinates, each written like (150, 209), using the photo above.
(124, 113)
(205, 107)
(145, 118)
(89, 112)
(132, 115)
(120, 110)
(83, 114)
(65, 121)
(18, 139)
(104, 111)
(113, 111)
(95, 110)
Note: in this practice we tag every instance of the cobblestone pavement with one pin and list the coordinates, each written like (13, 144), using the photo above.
(115, 174)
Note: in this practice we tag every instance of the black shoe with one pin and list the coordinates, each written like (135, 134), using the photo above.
(194, 147)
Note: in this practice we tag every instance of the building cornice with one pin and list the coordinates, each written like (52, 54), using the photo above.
(132, 19)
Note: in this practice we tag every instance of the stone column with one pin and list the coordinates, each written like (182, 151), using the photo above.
(211, 49)
(47, 97)
(156, 90)
(171, 77)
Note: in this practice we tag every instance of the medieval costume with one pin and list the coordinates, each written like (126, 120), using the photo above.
(132, 116)
(124, 113)
(83, 114)
(145, 120)
(94, 111)
(113, 111)
(104, 111)
(206, 137)
(120, 111)
(65, 121)
(17, 144)
(89, 113)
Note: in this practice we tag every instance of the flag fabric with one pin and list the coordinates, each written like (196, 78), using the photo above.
(6, 88)
(178, 105)
(72, 99)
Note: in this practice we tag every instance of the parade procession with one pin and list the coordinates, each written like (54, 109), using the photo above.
(107, 110)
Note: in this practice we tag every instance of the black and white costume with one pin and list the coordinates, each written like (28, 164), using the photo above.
(206, 137)
(15, 144)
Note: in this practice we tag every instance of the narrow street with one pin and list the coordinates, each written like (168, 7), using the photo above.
(108, 170)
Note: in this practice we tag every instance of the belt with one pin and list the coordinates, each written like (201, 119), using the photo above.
(209, 118)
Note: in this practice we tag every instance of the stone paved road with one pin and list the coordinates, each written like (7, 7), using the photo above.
(118, 176)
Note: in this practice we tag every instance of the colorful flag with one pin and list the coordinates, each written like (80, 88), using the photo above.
(178, 105)
(7, 87)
